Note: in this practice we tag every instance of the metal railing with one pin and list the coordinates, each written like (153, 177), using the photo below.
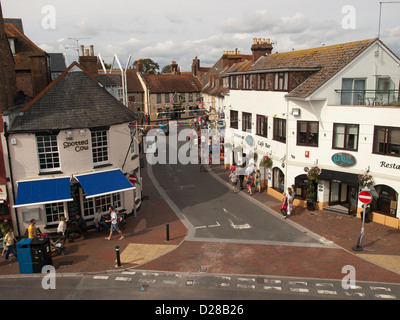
(369, 97)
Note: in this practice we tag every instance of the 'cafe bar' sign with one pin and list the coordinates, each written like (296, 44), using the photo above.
(343, 159)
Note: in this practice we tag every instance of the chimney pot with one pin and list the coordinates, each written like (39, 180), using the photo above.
(82, 50)
(92, 50)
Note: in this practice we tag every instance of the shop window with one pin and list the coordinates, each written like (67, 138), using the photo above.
(102, 202)
(345, 136)
(278, 180)
(387, 141)
(54, 211)
(386, 203)
(307, 133)
(300, 188)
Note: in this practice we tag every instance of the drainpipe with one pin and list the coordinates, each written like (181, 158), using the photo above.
(6, 135)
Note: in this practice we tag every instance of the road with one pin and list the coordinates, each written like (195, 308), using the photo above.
(212, 211)
(160, 285)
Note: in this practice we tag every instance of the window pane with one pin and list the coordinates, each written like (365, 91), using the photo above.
(394, 141)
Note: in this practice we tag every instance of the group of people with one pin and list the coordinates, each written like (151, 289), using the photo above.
(80, 226)
(237, 175)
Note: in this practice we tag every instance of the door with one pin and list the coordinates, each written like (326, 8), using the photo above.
(353, 198)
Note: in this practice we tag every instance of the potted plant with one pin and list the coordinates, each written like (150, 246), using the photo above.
(312, 183)
(365, 180)
(266, 162)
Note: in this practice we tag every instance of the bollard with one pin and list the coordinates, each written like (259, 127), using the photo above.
(118, 259)
(167, 231)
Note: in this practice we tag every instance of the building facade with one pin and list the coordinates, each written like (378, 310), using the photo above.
(334, 107)
(71, 151)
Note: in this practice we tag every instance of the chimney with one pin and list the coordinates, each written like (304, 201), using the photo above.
(261, 48)
(88, 60)
(195, 66)
(139, 67)
(174, 68)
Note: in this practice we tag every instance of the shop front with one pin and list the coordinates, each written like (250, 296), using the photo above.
(343, 189)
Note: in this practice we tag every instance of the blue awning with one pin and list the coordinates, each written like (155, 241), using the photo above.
(43, 191)
(106, 182)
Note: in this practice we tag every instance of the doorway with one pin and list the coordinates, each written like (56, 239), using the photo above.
(342, 195)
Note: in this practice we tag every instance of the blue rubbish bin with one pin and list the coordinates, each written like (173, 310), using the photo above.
(33, 255)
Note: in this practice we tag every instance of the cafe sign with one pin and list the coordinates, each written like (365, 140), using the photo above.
(343, 159)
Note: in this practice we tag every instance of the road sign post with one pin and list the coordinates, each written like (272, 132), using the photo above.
(365, 197)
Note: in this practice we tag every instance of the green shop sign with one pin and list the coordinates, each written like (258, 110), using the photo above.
(343, 159)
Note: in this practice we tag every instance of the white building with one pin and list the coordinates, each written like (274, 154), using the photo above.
(70, 151)
(336, 107)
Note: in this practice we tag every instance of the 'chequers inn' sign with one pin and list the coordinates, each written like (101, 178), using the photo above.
(344, 159)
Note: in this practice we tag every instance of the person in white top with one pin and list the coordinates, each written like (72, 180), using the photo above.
(289, 196)
(114, 223)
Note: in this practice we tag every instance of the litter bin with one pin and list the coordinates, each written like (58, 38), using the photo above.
(33, 255)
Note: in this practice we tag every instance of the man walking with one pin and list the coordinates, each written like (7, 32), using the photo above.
(114, 223)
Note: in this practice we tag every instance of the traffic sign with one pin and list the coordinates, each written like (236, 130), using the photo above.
(365, 197)
(132, 178)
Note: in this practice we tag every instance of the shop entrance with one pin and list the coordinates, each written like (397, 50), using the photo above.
(343, 195)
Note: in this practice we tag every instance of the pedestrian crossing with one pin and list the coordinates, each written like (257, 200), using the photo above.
(307, 288)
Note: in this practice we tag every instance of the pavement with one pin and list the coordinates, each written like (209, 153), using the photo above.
(146, 246)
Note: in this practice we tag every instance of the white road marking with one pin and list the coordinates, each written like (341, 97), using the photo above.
(123, 279)
(100, 277)
(301, 290)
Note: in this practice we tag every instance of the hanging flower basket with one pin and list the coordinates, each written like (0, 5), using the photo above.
(365, 180)
(266, 162)
(313, 174)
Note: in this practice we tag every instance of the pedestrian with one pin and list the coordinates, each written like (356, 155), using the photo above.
(233, 178)
(62, 227)
(249, 183)
(289, 196)
(284, 206)
(97, 220)
(258, 181)
(32, 230)
(114, 223)
(9, 240)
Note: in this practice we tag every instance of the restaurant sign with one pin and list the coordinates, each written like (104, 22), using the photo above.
(343, 159)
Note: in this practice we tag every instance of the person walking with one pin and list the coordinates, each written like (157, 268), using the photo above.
(233, 178)
(9, 240)
(258, 181)
(289, 196)
(284, 206)
(249, 183)
(114, 223)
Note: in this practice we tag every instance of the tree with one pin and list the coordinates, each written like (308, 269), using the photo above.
(147, 65)
(166, 69)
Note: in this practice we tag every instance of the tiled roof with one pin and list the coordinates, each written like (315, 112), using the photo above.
(327, 61)
(74, 100)
(163, 83)
(133, 82)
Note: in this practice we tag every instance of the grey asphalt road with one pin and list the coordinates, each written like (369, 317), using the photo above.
(213, 211)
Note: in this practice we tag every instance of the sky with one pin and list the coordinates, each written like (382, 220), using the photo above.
(166, 31)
